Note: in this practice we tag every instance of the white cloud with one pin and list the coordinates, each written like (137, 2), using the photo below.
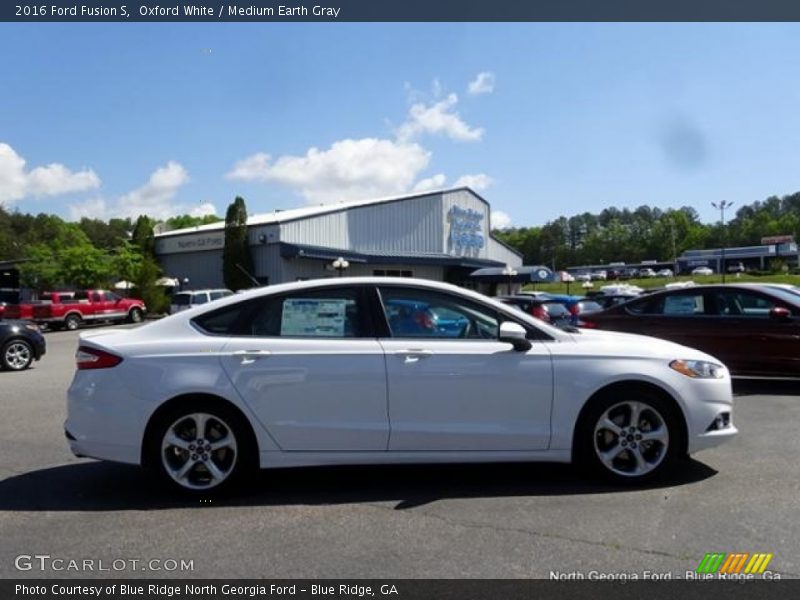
(439, 118)
(50, 180)
(348, 170)
(500, 220)
(203, 210)
(154, 197)
(94, 208)
(436, 182)
(482, 84)
(478, 182)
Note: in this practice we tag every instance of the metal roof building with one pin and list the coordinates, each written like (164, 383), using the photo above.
(442, 235)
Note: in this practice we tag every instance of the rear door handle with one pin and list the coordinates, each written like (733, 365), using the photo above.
(413, 355)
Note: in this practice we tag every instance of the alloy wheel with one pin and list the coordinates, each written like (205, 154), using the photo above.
(199, 451)
(631, 439)
(17, 356)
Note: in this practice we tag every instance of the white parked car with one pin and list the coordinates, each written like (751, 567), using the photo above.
(186, 300)
(702, 271)
(381, 370)
(664, 273)
(647, 272)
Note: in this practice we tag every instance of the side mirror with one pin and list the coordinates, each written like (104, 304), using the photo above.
(780, 314)
(515, 334)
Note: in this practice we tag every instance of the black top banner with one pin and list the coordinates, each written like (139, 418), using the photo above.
(401, 10)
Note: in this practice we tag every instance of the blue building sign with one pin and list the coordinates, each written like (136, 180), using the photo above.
(466, 231)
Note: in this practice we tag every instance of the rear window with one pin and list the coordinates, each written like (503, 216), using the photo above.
(220, 294)
(556, 309)
(181, 299)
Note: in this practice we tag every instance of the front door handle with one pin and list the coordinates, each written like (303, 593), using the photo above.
(251, 356)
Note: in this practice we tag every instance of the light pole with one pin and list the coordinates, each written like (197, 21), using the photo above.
(509, 272)
(340, 265)
(721, 207)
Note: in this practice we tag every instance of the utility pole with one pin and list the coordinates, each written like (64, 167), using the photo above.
(721, 207)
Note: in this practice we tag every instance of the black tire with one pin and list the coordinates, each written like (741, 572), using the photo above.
(635, 453)
(72, 322)
(199, 481)
(135, 315)
(16, 355)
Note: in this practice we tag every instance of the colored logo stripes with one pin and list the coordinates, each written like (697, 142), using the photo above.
(737, 562)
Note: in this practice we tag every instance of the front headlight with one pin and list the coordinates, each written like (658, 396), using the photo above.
(698, 369)
(32, 327)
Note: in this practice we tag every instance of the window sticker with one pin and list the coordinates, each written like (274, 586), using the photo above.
(320, 317)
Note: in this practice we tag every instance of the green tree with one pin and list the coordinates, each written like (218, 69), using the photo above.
(236, 253)
(143, 236)
(126, 262)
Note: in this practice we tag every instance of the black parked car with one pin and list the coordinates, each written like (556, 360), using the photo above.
(20, 344)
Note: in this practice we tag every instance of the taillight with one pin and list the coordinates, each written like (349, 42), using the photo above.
(92, 358)
(540, 313)
(587, 324)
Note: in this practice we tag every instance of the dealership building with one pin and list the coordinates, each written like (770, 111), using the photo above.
(442, 235)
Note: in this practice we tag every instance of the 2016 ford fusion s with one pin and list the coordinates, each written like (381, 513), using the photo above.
(341, 371)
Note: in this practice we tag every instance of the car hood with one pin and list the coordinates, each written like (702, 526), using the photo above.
(617, 344)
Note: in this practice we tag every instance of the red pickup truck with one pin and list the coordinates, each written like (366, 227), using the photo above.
(89, 306)
(25, 311)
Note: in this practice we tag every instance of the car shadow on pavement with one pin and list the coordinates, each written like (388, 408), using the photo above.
(103, 486)
(766, 387)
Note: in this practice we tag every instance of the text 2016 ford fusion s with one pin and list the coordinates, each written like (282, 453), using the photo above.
(376, 370)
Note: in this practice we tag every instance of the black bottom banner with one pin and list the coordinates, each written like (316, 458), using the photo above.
(400, 589)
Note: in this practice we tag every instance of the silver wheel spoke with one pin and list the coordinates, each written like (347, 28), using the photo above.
(636, 410)
(215, 471)
(641, 464)
(172, 439)
(200, 420)
(609, 456)
(225, 442)
(184, 470)
(607, 423)
(659, 435)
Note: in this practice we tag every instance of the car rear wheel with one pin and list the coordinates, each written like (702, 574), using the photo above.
(16, 355)
(72, 322)
(136, 315)
(201, 449)
(630, 436)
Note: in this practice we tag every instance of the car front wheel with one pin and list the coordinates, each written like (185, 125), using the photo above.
(135, 316)
(201, 450)
(629, 437)
(16, 355)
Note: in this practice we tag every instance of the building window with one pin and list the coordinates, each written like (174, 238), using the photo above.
(393, 273)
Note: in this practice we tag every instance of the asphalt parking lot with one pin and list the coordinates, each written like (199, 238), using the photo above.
(379, 522)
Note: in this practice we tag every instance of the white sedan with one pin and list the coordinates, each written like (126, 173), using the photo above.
(376, 370)
(702, 271)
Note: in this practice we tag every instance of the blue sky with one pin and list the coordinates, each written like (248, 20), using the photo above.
(115, 119)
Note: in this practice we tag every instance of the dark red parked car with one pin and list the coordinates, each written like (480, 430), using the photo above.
(753, 330)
